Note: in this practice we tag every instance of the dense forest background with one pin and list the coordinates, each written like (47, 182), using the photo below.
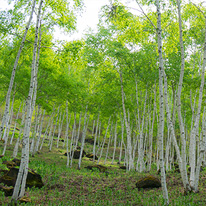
(137, 83)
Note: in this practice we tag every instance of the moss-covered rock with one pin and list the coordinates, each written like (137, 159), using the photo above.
(9, 164)
(1, 140)
(101, 168)
(91, 156)
(149, 181)
(159, 172)
(176, 165)
(77, 154)
(8, 191)
(17, 161)
(123, 167)
(33, 179)
(61, 140)
(2, 172)
(25, 199)
(90, 141)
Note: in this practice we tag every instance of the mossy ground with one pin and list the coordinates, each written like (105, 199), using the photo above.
(70, 186)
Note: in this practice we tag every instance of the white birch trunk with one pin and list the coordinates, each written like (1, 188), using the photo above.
(93, 127)
(110, 136)
(78, 132)
(161, 104)
(99, 134)
(34, 130)
(129, 146)
(60, 129)
(104, 141)
(179, 157)
(39, 134)
(115, 142)
(193, 183)
(194, 133)
(7, 128)
(6, 111)
(46, 132)
(17, 117)
(122, 140)
(140, 164)
(182, 130)
(86, 121)
(15, 152)
(95, 138)
(151, 132)
(71, 152)
(19, 188)
(52, 137)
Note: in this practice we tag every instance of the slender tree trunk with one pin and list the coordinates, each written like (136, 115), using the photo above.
(151, 132)
(161, 104)
(95, 138)
(193, 183)
(60, 129)
(140, 165)
(8, 96)
(182, 130)
(115, 142)
(108, 143)
(129, 145)
(39, 134)
(15, 152)
(34, 130)
(93, 127)
(7, 128)
(66, 134)
(46, 132)
(122, 140)
(71, 152)
(79, 127)
(19, 188)
(17, 117)
(104, 141)
(86, 121)
(51, 143)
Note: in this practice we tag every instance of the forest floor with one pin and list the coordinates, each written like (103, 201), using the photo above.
(70, 186)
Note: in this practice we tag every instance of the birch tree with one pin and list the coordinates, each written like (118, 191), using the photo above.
(8, 96)
(20, 184)
(161, 102)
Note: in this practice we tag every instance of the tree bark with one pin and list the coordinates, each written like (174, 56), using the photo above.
(161, 104)
(8, 96)
(19, 188)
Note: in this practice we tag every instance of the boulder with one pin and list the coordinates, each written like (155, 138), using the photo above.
(77, 154)
(176, 165)
(8, 191)
(33, 179)
(149, 181)
(3, 172)
(9, 164)
(99, 167)
(159, 171)
(1, 140)
(91, 156)
(90, 141)
(123, 167)
(25, 199)
(17, 161)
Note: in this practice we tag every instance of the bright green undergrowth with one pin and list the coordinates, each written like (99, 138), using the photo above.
(70, 186)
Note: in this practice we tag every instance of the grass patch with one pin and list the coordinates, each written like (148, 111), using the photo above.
(70, 186)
